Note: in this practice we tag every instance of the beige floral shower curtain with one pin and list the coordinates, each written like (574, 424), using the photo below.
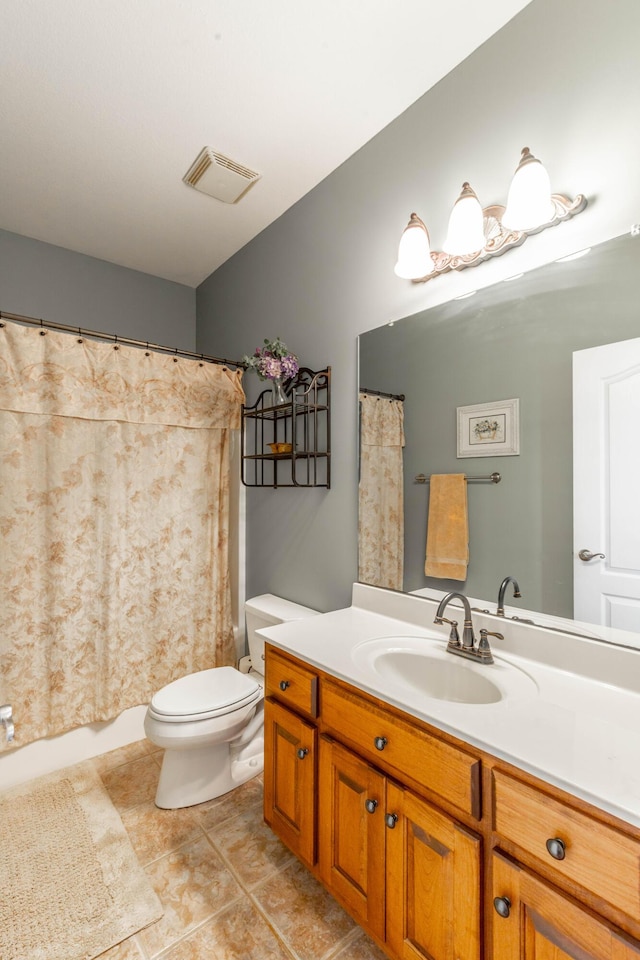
(381, 500)
(114, 520)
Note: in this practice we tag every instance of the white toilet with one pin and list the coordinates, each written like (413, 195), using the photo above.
(211, 723)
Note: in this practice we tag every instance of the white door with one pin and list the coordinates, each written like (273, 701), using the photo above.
(606, 484)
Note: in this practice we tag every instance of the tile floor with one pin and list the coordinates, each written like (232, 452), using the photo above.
(230, 889)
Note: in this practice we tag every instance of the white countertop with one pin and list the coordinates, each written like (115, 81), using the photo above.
(574, 724)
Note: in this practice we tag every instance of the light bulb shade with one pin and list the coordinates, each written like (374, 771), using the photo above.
(529, 203)
(414, 252)
(466, 225)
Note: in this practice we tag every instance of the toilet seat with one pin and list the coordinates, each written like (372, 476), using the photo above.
(204, 695)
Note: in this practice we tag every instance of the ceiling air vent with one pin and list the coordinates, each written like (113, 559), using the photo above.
(219, 177)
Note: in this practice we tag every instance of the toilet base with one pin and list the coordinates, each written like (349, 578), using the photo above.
(199, 774)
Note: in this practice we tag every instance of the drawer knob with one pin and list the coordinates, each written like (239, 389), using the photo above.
(370, 805)
(284, 684)
(390, 820)
(502, 906)
(301, 753)
(380, 743)
(556, 848)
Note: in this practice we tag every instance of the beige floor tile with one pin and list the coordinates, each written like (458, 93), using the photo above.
(154, 832)
(250, 846)
(193, 884)
(127, 950)
(361, 948)
(240, 933)
(308, 919)
(132, 783)
(244, 798)
(115, 758)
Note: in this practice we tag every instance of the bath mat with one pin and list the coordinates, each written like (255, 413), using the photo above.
(71, 884)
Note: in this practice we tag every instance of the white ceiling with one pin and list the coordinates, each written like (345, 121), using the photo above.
(104, 104)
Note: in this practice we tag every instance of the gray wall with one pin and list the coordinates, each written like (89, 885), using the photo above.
(563, 79)
(41, 280)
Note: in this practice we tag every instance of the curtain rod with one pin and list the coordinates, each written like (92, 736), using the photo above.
(84, 332)
(381, 393)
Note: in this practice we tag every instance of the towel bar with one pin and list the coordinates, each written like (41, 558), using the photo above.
(492, 478)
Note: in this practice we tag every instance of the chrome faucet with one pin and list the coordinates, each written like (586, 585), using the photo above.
(501, 592)
(480, 652)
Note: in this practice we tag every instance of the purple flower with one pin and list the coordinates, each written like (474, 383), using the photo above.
(273, 360)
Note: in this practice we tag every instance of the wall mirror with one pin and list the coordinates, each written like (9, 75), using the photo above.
(513, 340)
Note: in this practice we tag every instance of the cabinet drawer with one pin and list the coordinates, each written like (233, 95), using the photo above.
(291, 683)
(402, 748)
(601, 859)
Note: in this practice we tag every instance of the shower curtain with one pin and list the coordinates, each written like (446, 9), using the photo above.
(380, 493)
(114, 574)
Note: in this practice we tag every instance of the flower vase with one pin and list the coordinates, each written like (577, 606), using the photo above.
(279, 396)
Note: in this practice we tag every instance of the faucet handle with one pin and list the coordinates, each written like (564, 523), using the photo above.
(454, 636)
(484, 650)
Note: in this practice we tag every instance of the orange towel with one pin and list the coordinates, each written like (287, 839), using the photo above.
(447, 527)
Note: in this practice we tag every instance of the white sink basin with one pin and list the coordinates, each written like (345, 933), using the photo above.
(423, 665)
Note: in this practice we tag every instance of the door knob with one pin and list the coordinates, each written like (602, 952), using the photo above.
(586, 555)
(370, 805)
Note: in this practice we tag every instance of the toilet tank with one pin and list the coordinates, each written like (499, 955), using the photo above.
(265, 611)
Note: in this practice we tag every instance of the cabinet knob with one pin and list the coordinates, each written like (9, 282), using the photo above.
(556, 848)
(284, 684)
(502, 906)
(370, 805)
(390, 820)
(380, 743)
(301, 753)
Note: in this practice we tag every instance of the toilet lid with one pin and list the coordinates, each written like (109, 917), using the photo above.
(211, 692)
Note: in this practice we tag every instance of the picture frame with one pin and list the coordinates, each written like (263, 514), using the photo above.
(489, 429)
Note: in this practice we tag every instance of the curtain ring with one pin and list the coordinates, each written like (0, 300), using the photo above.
(79, 334)
(115, 346)
(175, 359)
(146, 353)
(43, 332)
(201, 360)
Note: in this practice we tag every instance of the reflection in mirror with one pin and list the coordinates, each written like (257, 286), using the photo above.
(513, 340)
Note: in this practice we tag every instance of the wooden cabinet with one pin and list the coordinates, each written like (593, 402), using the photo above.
(433, 882)
(407, 872)
(403, 748)
(351, 838)
(578, 850)
(439, 850)
(290, 749)
(532, 921)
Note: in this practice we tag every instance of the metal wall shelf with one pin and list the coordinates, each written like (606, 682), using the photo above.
(304, 422)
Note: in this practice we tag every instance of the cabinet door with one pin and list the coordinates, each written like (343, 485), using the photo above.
(532, 921)
(351, 833)
(433, 883)
(290, 779)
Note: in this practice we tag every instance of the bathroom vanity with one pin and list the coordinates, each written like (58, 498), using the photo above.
(488, 815)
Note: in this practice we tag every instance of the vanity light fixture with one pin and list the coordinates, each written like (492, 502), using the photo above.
(476, 234)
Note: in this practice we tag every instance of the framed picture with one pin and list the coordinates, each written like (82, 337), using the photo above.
(489, 429)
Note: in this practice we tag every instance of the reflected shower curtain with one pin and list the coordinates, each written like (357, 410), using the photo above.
(381, 504)
(113, 525)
